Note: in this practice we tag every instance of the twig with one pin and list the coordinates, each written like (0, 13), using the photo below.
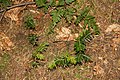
(17, 5)
(2, 15)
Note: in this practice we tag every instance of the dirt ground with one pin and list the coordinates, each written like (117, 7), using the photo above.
(104, 49)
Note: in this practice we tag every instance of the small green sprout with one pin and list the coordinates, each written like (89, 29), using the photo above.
(29, 22)
(33, 39)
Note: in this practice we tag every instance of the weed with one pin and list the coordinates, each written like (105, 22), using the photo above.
(42, 47)
(5, 3)
(52, 65)
(114, 0)
(59, 12)
(57, 15)
(89, 29)
(37, 54)
(69, 12)
(40, 3)
(62, 9)
(82, 15)
(64, 61)
(34, 64)
(4, 61)
(33, 39)
(29, 22)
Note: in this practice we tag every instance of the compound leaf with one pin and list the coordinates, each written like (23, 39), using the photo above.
(40, 56)
(69, 1)
(61, 2)
(40, 3)
(42, 47)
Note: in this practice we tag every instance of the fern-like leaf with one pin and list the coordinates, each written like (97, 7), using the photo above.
(51, 65)
(56, 16)
(40, 3)
(29, 22)
(82, 15)
(79, 45)
(61, 2)
(82, 57)
(42, 47)
(69, 1)
(5, 3)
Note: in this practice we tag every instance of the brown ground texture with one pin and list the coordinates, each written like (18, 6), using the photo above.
(104, 49)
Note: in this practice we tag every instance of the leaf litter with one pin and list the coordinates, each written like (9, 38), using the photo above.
(64, 34)
(5, 42)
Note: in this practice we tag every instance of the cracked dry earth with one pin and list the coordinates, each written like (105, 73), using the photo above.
(104, 50)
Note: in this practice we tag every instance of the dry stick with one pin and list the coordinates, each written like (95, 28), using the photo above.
(17, 5)
(2, 15)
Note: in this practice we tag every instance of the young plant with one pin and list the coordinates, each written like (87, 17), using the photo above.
(39, 50)
(64, 61)
(5, 3)
(43, 3)
(40, 3)
(62, 9)
(35, 64)
(37, 54)
(42, 47)
(82, 15)
(33, 39)
(57, 15)
(90, 27)
(29, 22)
(4, 60)
(59, 11)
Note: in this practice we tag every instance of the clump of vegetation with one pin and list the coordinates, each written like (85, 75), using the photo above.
(62, 9)
(4, 61)
(38, 53)
(29, 22)
(33, 38)
(64, 61)
(90, 27)
(5, 3)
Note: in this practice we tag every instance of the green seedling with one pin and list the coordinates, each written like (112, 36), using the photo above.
(38, 53)
(42, 47)
(4, 61)
(34, 64)
(39, 50)
(62, 9)
(90, 27)
(52, 65)
(5, 3)
(29, 22)
(38, 56)
(64, 61)
(33, 39)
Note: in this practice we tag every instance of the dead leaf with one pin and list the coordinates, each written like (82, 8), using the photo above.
(113, 27)
(17, 1)
(34, 11)
(64, 34)
(98, 70)
(39, 14)
(14, 14)
(105, 62)
(5, 42)
(116, 40)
